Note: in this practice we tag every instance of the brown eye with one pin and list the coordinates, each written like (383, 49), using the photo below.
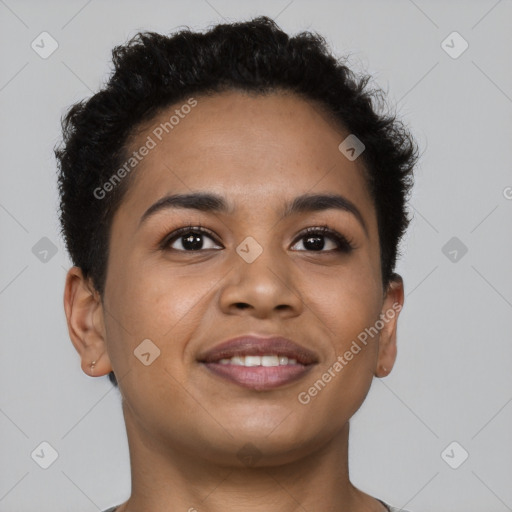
(314, 240)
(189, 239)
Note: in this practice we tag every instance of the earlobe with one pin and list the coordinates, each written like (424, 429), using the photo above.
(84, 316)
(391, 307)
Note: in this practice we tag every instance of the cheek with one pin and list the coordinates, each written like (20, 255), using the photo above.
(160, 305)
(346, 308)
(169, 304)
(346, 300)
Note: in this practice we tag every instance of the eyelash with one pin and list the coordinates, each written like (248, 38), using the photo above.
(344, 244)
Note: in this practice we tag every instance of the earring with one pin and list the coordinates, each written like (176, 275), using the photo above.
(92, 365)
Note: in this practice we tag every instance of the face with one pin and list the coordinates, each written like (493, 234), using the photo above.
(244, 269)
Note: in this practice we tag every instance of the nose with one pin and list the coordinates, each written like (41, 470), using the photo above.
(267, 286)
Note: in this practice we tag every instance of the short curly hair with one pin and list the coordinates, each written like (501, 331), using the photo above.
(153, 71)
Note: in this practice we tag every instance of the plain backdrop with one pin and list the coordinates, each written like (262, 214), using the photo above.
(452, 381)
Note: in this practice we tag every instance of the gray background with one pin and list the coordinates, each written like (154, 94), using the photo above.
(452, 380)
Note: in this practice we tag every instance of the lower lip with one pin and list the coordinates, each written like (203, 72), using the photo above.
(259, 378)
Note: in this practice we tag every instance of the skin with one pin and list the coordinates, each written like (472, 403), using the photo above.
(186, 426)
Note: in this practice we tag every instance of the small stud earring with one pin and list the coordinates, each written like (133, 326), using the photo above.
(92, 365)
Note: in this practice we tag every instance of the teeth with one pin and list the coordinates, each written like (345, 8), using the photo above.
(269, 361)
(265, 360)
(252, 360)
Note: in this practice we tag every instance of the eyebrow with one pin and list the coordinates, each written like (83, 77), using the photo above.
(208, 202)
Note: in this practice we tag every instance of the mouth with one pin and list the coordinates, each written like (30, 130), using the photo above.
(259, 363)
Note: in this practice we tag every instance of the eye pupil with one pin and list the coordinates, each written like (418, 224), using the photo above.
(316, 246)
(193, 241)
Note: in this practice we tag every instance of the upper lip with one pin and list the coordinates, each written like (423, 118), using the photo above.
(250, 345)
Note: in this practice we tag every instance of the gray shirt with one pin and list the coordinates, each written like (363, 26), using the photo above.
(390, 508)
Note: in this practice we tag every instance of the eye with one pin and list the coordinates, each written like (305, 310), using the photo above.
(314, 240)
(191, 239)
(188, 239)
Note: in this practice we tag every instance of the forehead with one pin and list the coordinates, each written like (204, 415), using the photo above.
(254, 149)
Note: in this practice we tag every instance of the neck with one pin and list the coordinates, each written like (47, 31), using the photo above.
(177, 479)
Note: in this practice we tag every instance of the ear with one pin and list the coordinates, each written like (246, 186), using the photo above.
(86, 326)
(391, 307)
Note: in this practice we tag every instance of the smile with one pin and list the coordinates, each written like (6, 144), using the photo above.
(259, 373)
(259, 363)
(265, 360)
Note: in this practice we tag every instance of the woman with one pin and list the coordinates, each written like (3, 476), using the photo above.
(233, 204)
